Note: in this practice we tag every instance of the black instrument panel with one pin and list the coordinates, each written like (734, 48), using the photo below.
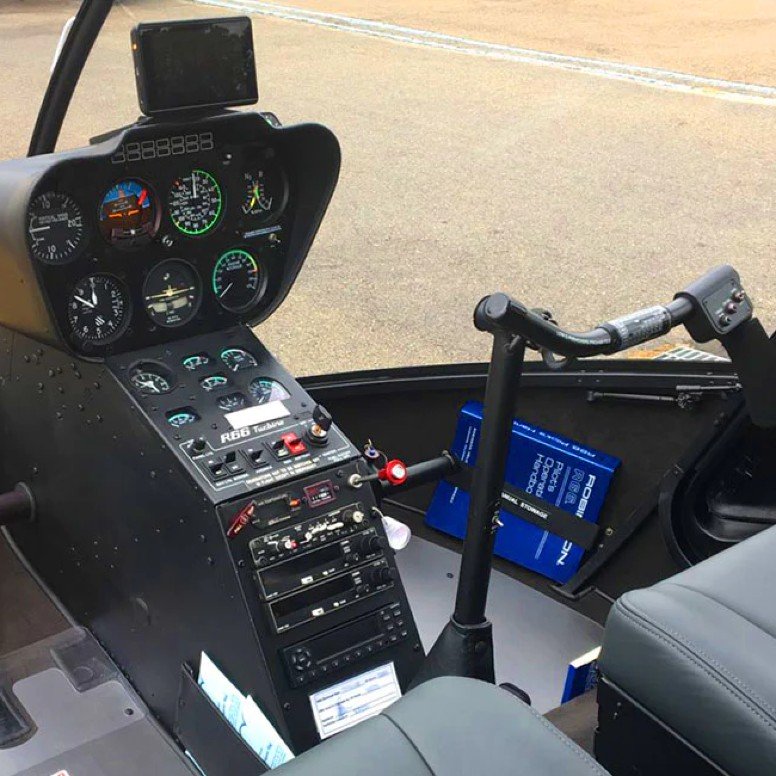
(178, 231)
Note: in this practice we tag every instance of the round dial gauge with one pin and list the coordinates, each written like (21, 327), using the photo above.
(213, 382)
(55, 228)
(232, 402)
(151, 379)
(196, 361)
(237, 280)
(265, 390)
(266, 193)
(195, 203)
(172, 293)
(182, 417)
(98, 309)
(237, 359)
(129, 215)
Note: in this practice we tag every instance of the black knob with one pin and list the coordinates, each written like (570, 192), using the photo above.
(322, 418)
(199, 445)
(370, 544)
(381, 576)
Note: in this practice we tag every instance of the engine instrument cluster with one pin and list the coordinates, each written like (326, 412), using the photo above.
(167, 236)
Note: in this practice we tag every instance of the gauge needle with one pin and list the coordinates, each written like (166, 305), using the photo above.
(148, 384)
(223, 293)
(194, 185)
(39, 229)
(142, 197)
(83, 301)
(94, 295)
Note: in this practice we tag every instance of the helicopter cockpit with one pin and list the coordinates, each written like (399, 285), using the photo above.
(232, 595)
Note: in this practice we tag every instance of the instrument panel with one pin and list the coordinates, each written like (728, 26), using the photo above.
(176, 231)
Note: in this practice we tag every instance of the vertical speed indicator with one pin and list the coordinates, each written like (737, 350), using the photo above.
(237, 280)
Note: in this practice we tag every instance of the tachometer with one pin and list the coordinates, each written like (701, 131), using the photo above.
(266, 193)
(98, 309)
(237, 280)
(214, 382)
(265, 390)
(172, 293)
(195, 203)
(129, 214)
(55, 228)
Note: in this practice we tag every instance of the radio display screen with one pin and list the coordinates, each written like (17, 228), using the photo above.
(307, 599)
(290, 574)
(342, 639)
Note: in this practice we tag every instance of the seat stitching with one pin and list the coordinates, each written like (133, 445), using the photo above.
(711, 598)
(592, 765)
(410, 742)
(734, 692)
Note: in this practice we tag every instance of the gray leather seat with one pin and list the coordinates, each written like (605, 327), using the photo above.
(449, 727)
(698, 651)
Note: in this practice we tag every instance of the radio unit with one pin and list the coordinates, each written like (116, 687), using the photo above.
(331, 596)
(341, 647)
(303, 536)
(323, 562)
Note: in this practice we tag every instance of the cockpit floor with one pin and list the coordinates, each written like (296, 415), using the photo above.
(535, 637)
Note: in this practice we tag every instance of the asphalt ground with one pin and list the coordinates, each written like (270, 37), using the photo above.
(465, 174)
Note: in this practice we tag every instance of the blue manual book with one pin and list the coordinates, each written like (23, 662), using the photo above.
(548, 466)
(581, 676)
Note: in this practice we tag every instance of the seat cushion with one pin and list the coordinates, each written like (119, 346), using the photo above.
(449, 727)
(698, 651)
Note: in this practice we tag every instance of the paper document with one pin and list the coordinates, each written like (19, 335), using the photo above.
(242, 713)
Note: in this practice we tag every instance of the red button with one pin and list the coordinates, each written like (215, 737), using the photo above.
(293, 444)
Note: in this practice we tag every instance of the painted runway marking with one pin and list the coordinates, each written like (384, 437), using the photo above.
(645, 76)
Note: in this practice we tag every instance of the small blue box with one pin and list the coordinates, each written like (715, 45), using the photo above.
(558, 470)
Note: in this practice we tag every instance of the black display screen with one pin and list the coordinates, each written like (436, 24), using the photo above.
(312, 596)
(289, 574)
(191, 65)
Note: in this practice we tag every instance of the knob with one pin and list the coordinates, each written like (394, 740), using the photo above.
(322, 417)
(357, 516)
(199, 445)
(381, 576)
(370, 544)
(318, 431)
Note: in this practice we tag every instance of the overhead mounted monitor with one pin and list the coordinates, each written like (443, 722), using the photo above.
(194, 65)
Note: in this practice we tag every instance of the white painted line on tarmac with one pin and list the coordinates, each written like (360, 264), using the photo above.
(646, 76)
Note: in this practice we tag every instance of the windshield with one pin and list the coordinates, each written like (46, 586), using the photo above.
(522, 147)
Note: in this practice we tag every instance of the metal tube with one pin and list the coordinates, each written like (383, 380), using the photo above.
(67, 70)
(488, 479)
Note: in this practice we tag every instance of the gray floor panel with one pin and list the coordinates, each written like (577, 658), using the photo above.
(535, 637)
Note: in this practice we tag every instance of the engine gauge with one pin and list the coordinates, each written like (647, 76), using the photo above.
(265, 390)
(172, 293)
(237, 280)
(232, 402)
(237, 359)
(196, 361)
(183, 416)
(214, 382)
(195, 203)
(151, 379)
(98, 309)
(55, 227)
(266, 193)
(129, 214)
